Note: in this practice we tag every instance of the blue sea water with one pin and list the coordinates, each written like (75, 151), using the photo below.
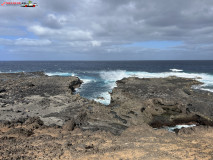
(99, 77)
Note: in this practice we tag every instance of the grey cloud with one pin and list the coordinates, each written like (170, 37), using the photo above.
(98, 28)
(53, 21)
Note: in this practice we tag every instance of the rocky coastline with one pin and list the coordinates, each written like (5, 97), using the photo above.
(41, 117)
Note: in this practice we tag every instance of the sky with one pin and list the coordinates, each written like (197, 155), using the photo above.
(107, 30)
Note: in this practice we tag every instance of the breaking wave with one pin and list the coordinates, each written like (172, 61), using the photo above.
(108, 79)
(106, 98)
(176, 70)
(60, 74)
(111, 76)
(87, 80)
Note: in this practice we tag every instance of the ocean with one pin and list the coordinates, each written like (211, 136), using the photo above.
(99, 77)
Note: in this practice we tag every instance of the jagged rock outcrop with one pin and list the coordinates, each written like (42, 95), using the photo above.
(52, 99)
(161, 101)
(42, 118)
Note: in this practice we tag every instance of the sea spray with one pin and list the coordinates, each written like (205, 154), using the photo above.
(102, 82)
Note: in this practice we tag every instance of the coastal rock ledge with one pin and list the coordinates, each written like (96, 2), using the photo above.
(161, 102)
(41, 117)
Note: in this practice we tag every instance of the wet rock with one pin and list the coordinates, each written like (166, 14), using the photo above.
(75, 84)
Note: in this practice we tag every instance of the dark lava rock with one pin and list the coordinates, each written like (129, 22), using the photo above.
(157, 102)
(52, 99)
(33, 123)
(161, 102)
(4, 123)
(135, 104)
(20, 132)
(20, 120)
(183, 131)
(2, 90)
(34, 120)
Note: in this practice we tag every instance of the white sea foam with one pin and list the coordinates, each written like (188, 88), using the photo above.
(106, 100)
(85, 81)
(113, 75)
(171, 129)
(110, 77)
(176, 70)
(206, 89)
(59, 74)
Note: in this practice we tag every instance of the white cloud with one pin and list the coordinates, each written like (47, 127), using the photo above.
(61, 34)
(41, 31)
(32, 42)
(53, 21)
(77, 35)
(96, 43)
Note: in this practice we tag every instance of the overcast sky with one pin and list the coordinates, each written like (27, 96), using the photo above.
(107, 30)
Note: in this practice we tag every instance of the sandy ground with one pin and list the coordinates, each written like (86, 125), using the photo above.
(139, 142)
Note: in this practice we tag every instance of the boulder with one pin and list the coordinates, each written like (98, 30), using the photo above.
(69, 125)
